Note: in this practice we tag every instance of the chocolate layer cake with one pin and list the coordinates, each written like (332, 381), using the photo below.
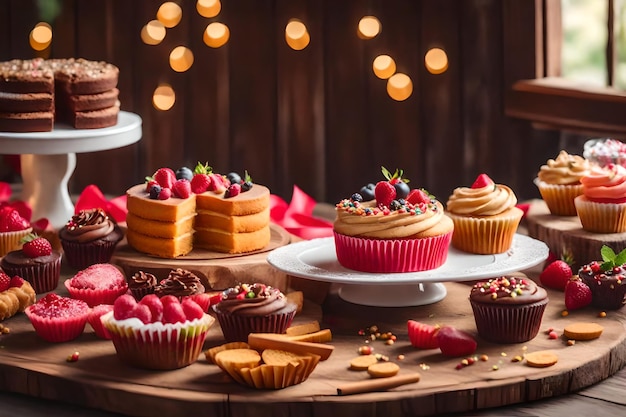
(26, 122)
(26, 102)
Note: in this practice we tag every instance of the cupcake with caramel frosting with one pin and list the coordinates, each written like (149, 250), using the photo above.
(485, 216)
(253, 308)
(602, 206)
(89, 238)
(559, 182)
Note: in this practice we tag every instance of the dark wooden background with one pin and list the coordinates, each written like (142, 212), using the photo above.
(318, 118)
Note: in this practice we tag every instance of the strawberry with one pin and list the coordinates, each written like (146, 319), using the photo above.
(165, 177)
(191, 309)
(16, 282)
(385, 193)
(454, 342)
(167, 299)
(218, 183)
(5, 281)
(203, 300)
(150, 183)
(173, 313)
(13, 222)
(577, 294)
(482, 180)
(200, 183)
(181, 188)
(155, 305)
(417, 196)
(556, 275)
(35, 246)
(422, 335)
(142, 312)
(123, 307)
(164, 194)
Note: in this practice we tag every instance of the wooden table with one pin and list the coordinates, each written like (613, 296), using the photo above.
(98, 380)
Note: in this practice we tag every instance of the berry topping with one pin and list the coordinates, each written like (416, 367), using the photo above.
(12, 221)
(192, 309)
(356, 197)
(203, 300)
(556, 275)
(151, 183)
(234, 178)
(402, 189)
(367, 192)
(233, 190)
(142, 312)
(385, 193)
(418, 196)
(173, 313)
(5, 281)
(184, 173)
(155, 305)
(577, 294)
(482, 180)
(165, 177)
(35, 246)
(455, 342)
(164, 194)
(422, 335)
(155, 191)
(15, 281)
(218, 183)
(181, 189)
(247, 183)
(200, 183)
(123, 307)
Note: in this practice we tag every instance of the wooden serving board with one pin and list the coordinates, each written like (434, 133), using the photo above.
(30, 366)
(563, 233)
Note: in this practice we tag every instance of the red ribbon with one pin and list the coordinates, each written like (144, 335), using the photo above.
(92, 197)
(22, 207)
(297, 216)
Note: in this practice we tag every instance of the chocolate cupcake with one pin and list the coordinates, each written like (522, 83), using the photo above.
(608, 284)
(89, 238)
(253, 308)
(508, 309)
(141, 284)
(41, 269)
(179, 283)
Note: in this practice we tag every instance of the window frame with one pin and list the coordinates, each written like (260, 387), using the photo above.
(554, 103)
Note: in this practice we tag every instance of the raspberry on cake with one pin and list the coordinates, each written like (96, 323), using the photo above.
(198, 213)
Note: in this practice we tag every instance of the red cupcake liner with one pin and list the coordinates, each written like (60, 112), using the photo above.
(94, 320)
(94, 297)
(83, 255)
(57, 330)
(392, 255)
(236, 328)
(508, 324)
(157, 345)
(42, 277)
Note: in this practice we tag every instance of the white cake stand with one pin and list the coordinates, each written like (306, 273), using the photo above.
(316, 259)
(48, 160)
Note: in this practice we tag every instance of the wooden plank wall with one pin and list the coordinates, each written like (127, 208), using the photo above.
(318, 118)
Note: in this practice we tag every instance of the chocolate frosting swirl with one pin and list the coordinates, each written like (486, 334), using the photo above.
(88, 225)
(252, 300)
(141, 280)
(180, 283)
(508, 290)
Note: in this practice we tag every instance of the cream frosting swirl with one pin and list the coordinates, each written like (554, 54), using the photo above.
(490, 200)
(566, 169)
(605, 184)
(88, 225)
(365, 219)
(252, 300)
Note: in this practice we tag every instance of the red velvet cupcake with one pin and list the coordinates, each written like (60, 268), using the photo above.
(253, 308)
(58, 319)
(97, 284)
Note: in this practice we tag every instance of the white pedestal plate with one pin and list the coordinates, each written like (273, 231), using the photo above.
(48, 160)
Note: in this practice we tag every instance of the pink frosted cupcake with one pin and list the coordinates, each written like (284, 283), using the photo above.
(36, 262)
(13, 228)
(89, 238)
(602, 207)
(559, 182)
(391, 228)
(157, 333)
(485, 217)
(58, 319)
(253, 308)
(97, 284)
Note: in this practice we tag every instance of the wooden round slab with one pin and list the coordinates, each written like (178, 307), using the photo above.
(562, 233)
(217, 270)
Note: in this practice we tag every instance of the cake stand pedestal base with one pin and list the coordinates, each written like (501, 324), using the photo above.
(45, 186)
(415, 294)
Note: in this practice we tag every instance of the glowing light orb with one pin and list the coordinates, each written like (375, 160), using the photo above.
(163, 97)
(181, 59)
(399, 86)
(153, 33)
(384, 66)
(216, 34)
(169, 14)
(208, 8)
(436, 61)
(296, 35)
(369, 27)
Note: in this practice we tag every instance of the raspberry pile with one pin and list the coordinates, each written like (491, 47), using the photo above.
(152, 309)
